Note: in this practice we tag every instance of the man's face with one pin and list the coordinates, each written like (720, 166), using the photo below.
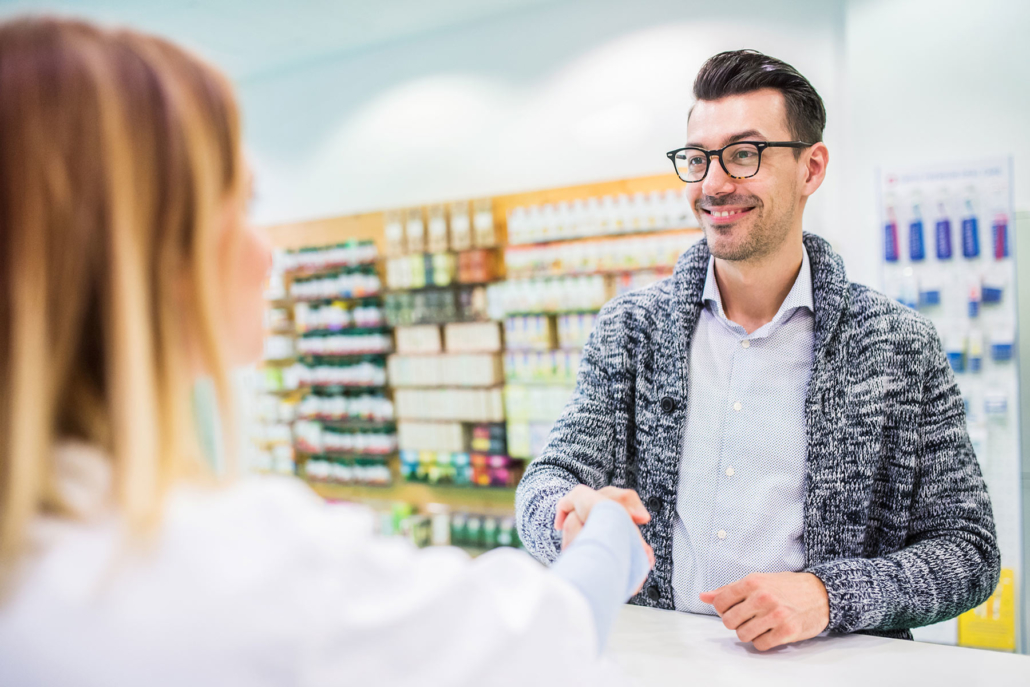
(763, 209)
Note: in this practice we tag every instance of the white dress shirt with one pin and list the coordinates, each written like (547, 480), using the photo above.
(740, 504)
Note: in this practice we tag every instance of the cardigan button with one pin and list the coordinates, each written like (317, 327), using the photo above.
(653, 593)
(654, 504)
(668, 404)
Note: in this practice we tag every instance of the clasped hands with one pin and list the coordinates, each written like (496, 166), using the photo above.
(766, 609)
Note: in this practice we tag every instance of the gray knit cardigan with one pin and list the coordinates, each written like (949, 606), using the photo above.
(898, 524)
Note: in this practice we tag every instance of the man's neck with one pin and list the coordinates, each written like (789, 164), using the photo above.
(752, 292)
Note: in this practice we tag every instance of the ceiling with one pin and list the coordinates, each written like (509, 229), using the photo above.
(251, 39)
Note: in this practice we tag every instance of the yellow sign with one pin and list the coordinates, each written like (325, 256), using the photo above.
(992, 624)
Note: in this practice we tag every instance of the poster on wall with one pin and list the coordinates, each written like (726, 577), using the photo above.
(948, 252)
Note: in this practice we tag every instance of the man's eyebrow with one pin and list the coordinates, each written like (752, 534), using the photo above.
(750, 135)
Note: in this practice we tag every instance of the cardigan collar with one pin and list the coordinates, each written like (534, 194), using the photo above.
(829, 284)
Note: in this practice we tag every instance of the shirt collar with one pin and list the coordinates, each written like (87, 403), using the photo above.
(800, 295)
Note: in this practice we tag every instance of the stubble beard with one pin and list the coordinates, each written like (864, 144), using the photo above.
(765, 236)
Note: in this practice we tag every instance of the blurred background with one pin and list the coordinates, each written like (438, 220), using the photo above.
(460, 174)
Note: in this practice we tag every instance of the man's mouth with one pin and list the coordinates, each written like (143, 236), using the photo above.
(725, 215)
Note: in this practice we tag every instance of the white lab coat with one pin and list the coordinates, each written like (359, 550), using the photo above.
(262, 583)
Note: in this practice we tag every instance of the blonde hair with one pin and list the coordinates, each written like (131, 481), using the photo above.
(117, 153)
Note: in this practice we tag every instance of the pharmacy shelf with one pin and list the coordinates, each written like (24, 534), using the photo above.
(328, 270)
(368, 425)
(333, 299)
(485, 500)
(345, 455)
(340, 357)
(440, 287)
(621, 235)
(342, 331)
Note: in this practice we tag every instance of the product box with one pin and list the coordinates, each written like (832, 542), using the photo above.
(449, 369)
(472, 337)
(477, 266)
(418, 339)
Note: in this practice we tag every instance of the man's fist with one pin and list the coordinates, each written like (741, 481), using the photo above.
(770, 609)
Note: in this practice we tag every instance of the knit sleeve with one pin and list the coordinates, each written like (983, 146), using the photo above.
(951, 560)
(580, 448)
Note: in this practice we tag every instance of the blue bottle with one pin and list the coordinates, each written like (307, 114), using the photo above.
(890, 238)
(916, 244)
(943, 231)
(970, 233)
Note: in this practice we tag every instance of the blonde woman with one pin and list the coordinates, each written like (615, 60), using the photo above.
(128, 272)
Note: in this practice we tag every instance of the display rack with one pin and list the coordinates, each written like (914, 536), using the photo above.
(324, 370)
(449, 265)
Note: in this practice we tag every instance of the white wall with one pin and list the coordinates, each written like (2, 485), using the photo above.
(559, 94)
(929, 81)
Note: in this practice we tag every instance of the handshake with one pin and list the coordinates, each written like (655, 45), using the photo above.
(574, 508)
(766, 609)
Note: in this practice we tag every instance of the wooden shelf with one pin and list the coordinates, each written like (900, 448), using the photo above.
(484, 500)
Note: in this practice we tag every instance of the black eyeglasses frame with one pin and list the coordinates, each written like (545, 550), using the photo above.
(760, 145)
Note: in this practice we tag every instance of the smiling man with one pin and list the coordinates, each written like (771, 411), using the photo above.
(799, 440)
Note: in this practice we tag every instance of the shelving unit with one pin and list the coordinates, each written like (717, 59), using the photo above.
(320, 439)
(448, 264)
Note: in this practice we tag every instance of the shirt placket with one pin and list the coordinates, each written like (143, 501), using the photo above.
(722, 535)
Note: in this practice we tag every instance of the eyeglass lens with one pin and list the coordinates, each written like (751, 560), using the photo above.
(740, 161)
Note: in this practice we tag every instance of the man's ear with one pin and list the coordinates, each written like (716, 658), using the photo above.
(816, 161)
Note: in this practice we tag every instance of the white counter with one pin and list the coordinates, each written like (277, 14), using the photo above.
(668, 648)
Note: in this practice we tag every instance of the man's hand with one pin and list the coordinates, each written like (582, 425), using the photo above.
(770, 609)
(574, 508)
(582, 498)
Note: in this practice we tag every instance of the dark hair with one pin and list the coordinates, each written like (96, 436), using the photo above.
(736, 72)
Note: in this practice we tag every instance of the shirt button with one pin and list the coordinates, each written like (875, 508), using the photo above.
(653, 593)
(745, 344)
(668, 404)
(722, 534)
(737, 406)
(654, 504)
(729, 472)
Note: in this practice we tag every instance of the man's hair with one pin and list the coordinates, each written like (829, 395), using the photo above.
(736, 72)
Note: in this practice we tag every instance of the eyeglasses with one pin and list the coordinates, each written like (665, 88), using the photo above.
(739, 160)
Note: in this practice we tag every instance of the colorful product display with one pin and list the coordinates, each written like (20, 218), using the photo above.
(439, 228)
(472, 337)
(574, 330)
(455, 369)
(463, 405)
(529, 332)
(460, 469)
(438, 526)
(326, 321)
(349, 344)
(316, 438)
(366, 373)
(598, 256)
(360, 282)
(414, 435)
(339, 408)
(350, 254)
(437, 306)
(334, 316)
(600, 216)
(551, 295)
(542, 367)
(947, 253)
(365, 471)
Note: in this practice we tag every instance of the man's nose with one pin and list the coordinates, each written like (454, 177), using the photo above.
(717, 182)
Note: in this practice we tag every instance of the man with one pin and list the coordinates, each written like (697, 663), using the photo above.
(799, 441)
